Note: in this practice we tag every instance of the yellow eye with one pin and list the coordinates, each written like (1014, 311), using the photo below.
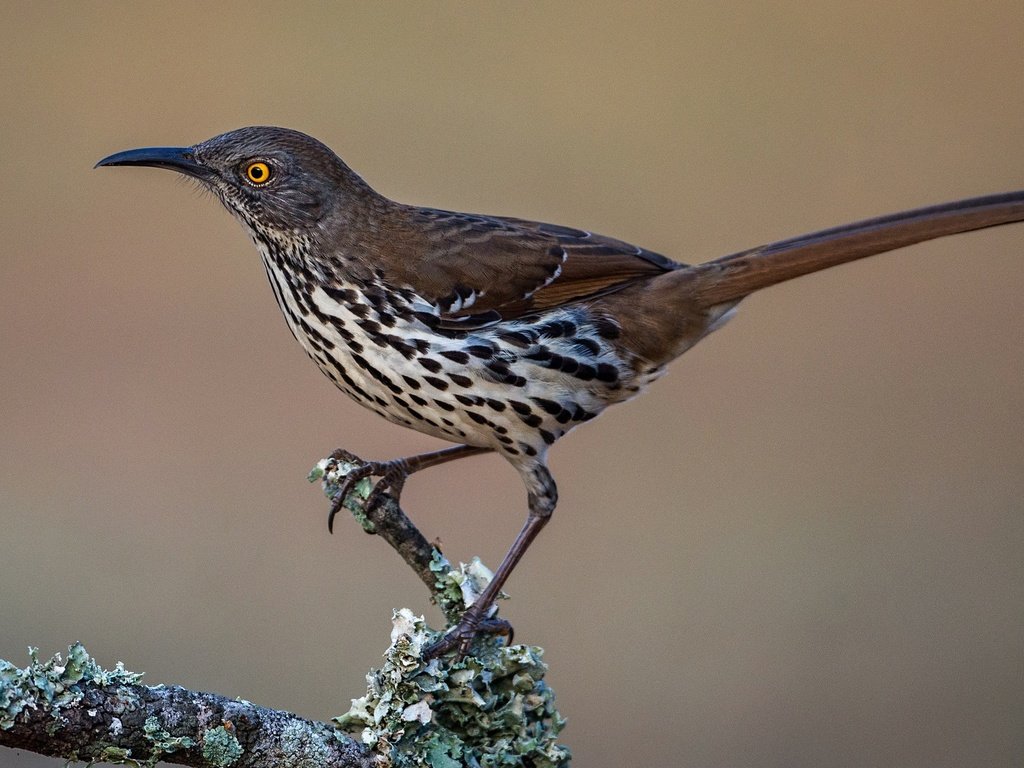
(257, 173)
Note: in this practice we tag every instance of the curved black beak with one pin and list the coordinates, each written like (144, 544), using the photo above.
(180, 159)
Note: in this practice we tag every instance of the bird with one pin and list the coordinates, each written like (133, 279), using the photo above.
(495, 333)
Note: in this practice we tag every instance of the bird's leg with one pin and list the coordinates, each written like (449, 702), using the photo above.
(543, 496)
(392, 474)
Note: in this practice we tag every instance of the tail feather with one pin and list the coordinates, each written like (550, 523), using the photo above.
(730, 278)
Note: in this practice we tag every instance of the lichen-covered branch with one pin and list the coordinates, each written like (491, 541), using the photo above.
(388, 521)
(76, 710)
(491, 707)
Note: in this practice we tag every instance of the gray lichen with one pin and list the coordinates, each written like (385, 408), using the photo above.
(55, 684)
(332, 472)
(220, 747)
(455, 589)
(486, 710)
(301, 749)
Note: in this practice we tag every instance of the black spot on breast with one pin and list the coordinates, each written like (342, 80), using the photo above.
(469, 399)
(359, 310)
(557, 329)
(531, 419)
(520, 407)
(462, 381)
(529, 450)
(585, 373)
(436, 383)
(372, 327)
(411, 382)
(480, 351)
(584, 345)
(517, 338)
(607, 373)
(399, 345)
(341, 295)
(540, 354)
(420, 401)
(455, 356)
(546, 436)
(607, 328)
(430, 364)
(497, 405)
(476, 417)
(442, 405)
(548, 405)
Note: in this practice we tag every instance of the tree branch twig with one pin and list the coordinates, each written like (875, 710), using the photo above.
(491, 707)
(390, 522)
(76, 710)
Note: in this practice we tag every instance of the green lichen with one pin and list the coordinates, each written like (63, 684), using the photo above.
(220, 747)
(55, 684)
(331, 472)
(489, 709)
(455, 589)
(163, 742)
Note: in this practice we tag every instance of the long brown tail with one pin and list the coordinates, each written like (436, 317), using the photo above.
(730, 278)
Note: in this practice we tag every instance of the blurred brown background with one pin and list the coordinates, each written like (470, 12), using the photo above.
(803, 547)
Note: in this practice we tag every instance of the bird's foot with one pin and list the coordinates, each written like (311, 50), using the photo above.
(460, 637)
(392, 476)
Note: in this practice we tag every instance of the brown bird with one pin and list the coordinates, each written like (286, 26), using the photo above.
(495, 333)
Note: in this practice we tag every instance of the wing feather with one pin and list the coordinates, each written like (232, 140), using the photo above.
(472, 266)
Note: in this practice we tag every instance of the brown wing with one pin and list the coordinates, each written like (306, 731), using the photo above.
(480, 268)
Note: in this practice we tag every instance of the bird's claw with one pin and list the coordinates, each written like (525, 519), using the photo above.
(460, 637)
(392, 476)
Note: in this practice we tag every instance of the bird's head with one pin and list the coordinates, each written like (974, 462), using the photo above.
(278, 182)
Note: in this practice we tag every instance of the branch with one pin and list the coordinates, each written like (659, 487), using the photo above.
(78, 711)
(388, 521)
(489, 708)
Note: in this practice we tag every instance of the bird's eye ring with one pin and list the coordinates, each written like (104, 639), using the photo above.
(257, 173)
